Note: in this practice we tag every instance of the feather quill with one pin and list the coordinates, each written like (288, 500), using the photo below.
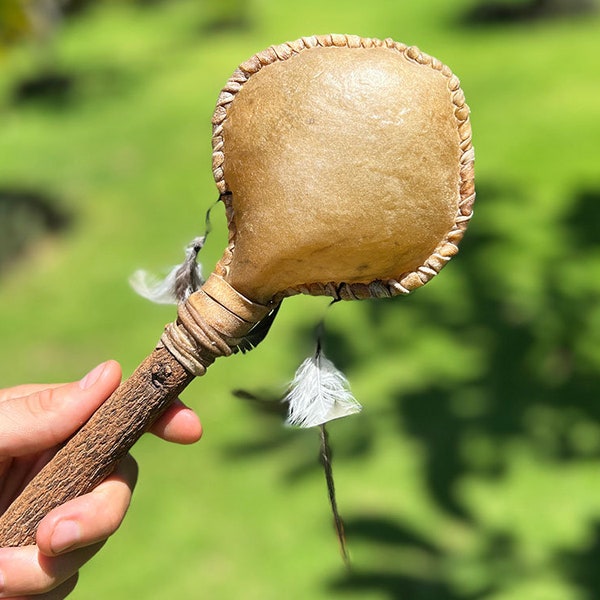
(319, 393)
(181, 281)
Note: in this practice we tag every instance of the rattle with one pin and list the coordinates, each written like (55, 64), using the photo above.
(345, 165)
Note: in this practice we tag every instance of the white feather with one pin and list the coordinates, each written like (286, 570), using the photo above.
(319, 393)
(181, 281)
(159, 291)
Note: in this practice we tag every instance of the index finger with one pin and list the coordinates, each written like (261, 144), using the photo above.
(18, 391)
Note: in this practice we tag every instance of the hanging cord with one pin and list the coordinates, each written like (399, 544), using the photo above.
(326, 460)
(326, 456)
(188, 276)
(318, 393)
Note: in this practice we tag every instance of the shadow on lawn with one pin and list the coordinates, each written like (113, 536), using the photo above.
(26, 216)
(502, 12)
(536, 386)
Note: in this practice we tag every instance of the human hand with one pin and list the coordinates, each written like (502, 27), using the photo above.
(34, 421)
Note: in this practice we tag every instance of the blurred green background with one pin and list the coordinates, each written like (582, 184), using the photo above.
(474, 470)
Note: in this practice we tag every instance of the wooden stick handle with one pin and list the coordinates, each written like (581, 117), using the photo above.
(94, 451)
(211, 323)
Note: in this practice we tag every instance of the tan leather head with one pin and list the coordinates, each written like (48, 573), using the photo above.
(346, 167)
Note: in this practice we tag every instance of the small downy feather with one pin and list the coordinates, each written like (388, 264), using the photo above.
(319, 393)
(181, 281)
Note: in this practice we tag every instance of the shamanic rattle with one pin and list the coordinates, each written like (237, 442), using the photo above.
(345, 165)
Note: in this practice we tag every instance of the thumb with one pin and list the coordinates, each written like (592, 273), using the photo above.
(50, 415)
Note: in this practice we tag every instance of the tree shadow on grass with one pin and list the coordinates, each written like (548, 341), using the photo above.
(232, 16)
(58, 91)
(48, 87)
(537, 386)
(535, 383)
(503, 12)
(582, 566)
(26, 216)
(399, 547)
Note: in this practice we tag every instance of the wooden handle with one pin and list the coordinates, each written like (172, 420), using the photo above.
(94, 451)
(211, 323)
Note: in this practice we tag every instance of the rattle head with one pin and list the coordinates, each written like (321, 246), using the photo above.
(346, 168)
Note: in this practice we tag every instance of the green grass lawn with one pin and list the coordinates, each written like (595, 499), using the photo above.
(474, 470)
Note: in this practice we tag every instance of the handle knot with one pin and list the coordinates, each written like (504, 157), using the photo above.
(211, 323)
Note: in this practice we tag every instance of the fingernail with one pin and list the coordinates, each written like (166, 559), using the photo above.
(90, 379)
(65, 535)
